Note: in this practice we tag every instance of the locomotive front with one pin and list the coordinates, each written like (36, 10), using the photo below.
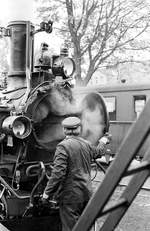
(38, 97)
(31, 110)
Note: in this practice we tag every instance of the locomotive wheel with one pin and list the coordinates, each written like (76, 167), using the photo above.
(3, 207)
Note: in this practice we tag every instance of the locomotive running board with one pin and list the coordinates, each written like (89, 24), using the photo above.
(98, 204)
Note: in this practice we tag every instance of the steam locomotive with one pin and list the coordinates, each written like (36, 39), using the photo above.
(37, 98)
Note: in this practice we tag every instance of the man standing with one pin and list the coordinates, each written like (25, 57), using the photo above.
(70, 176)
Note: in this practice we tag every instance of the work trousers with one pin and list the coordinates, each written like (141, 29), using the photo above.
(70, 213)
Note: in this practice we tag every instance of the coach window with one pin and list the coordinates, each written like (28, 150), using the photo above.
(111, 106)
(139, 103)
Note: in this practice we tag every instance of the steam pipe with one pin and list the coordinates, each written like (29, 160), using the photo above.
(29, 60)
(29, 64)
(34, 189)
(6, 185)
(37, 184)
(11, 190)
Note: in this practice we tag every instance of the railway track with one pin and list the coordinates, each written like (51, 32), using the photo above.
(99, 176)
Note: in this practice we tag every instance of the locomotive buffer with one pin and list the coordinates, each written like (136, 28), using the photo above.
(120, 167)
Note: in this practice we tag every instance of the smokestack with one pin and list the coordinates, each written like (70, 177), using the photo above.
(20, 14)
(20, 40)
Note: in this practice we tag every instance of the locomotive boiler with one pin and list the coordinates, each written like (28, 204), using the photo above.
(38, 97)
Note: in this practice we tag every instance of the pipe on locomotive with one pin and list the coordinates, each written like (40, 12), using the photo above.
(42, 175)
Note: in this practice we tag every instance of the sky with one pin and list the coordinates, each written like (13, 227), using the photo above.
(16, 10)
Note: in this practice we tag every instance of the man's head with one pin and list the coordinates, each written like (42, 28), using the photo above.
(72, 126)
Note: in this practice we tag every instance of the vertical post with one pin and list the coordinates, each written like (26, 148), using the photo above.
(28, 55)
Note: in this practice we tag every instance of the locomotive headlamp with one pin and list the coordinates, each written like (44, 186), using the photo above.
(63, 66)
(18, 126)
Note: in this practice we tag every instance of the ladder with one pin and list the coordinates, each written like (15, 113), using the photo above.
(3, 228)
(98, 204)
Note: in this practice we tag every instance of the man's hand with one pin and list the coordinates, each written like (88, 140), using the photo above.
(106, 138)
(102, 145)
(44, 201)
(48, 202)
(108, 155)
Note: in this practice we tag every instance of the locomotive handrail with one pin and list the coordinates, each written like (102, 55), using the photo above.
(37, 184)
(38, 86)
(122, 121)
(15, 89)
(6, 185)
(30, 168)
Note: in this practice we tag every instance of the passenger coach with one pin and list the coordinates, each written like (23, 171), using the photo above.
(124, 104)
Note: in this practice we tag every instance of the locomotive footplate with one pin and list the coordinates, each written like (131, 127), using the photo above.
(51, 222)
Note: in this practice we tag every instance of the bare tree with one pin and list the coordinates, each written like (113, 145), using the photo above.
(4, 55)
(98, 29)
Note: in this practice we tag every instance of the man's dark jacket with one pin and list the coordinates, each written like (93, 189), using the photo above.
(72, 169)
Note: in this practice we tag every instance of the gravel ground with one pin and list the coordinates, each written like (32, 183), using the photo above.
(137, 218)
